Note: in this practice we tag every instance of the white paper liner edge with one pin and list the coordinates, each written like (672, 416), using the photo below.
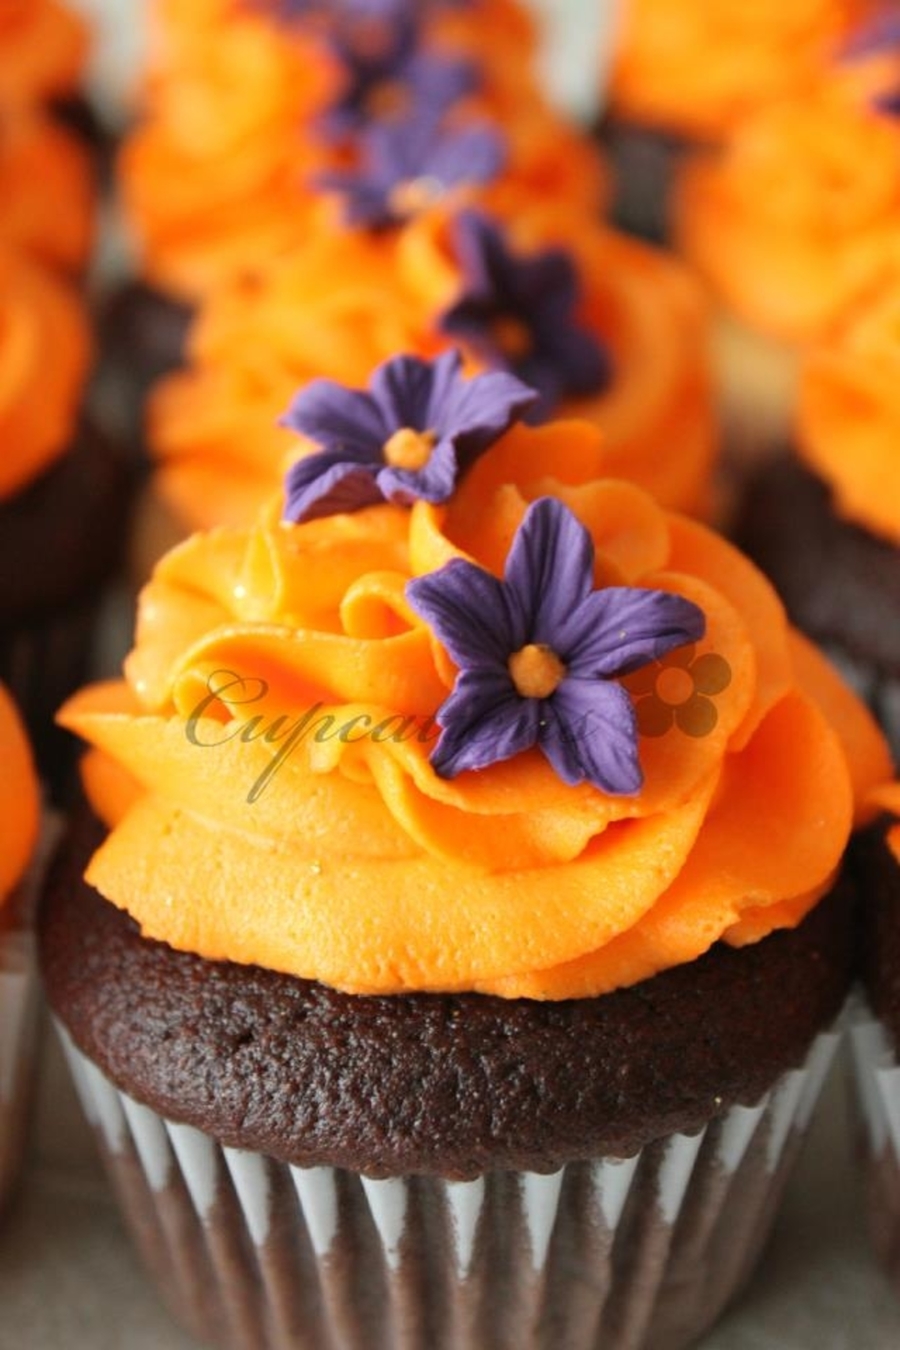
(18, 969)
(167, 1150)
(877, 1075)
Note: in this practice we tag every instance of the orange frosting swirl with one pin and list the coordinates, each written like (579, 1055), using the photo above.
(343, 306)
(791, 220)
(44, 356)
(19, 799)
(698, 67)
(849, 412)
(43, 49)
(244, 828)
(47, 189)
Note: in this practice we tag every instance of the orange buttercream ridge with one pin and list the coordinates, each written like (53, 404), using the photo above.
(265, 766)
(345, 304)
(44, 355)
(19, 799)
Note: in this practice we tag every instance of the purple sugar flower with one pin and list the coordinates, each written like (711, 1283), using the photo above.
(539, 654)
(518, 314)
(409, 437)
(880, 34)
(390, 77)
(408, 166)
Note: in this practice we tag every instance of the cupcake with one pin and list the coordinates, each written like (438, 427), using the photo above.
(19, 813)
(606, 328)
(788, 224)
(63, 496)
(687, 72)
(825, 525)
(427, 983)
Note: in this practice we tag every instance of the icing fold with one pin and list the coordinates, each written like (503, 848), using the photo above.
(246, 825)
(19, 799)
(39, 397)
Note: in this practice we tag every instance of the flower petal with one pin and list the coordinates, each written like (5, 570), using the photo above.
(616, 630)
(402, 390)
(484, 723)
(466, 608)
(326, 484)
(336, 417)
(589, 733)
(549, 570)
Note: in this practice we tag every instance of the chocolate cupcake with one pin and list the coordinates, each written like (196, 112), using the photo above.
(63, 503)
(426, 986)
(826, 526)
(19, 817)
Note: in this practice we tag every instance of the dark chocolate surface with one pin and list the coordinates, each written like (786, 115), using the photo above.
(840, 584)
(444, 1084)
(62, 536)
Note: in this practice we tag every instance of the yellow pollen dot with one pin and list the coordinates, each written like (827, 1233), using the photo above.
(513, 337)
(536, 671)
(415, 195)
(408, 449)
(674, 686)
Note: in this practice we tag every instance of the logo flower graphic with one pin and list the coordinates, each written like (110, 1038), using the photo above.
(678, 691)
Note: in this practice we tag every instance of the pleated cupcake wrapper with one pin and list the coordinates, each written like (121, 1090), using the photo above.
(640, 1252)
(876, 1080)
(42, 663)
(19, 1009)
(878, 689)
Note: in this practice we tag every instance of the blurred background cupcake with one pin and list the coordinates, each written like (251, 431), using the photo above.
(605, 327)
(788, 223)
(825, 524)
(687, 72)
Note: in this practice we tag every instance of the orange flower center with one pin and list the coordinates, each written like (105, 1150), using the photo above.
(415, 195)
(408, 449)
(388, 100)
(675, 686)
(513, 337)
(536, 671)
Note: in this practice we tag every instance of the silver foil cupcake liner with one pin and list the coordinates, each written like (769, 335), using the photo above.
(876, 1074)
(641, 1253)
(19, 1004)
